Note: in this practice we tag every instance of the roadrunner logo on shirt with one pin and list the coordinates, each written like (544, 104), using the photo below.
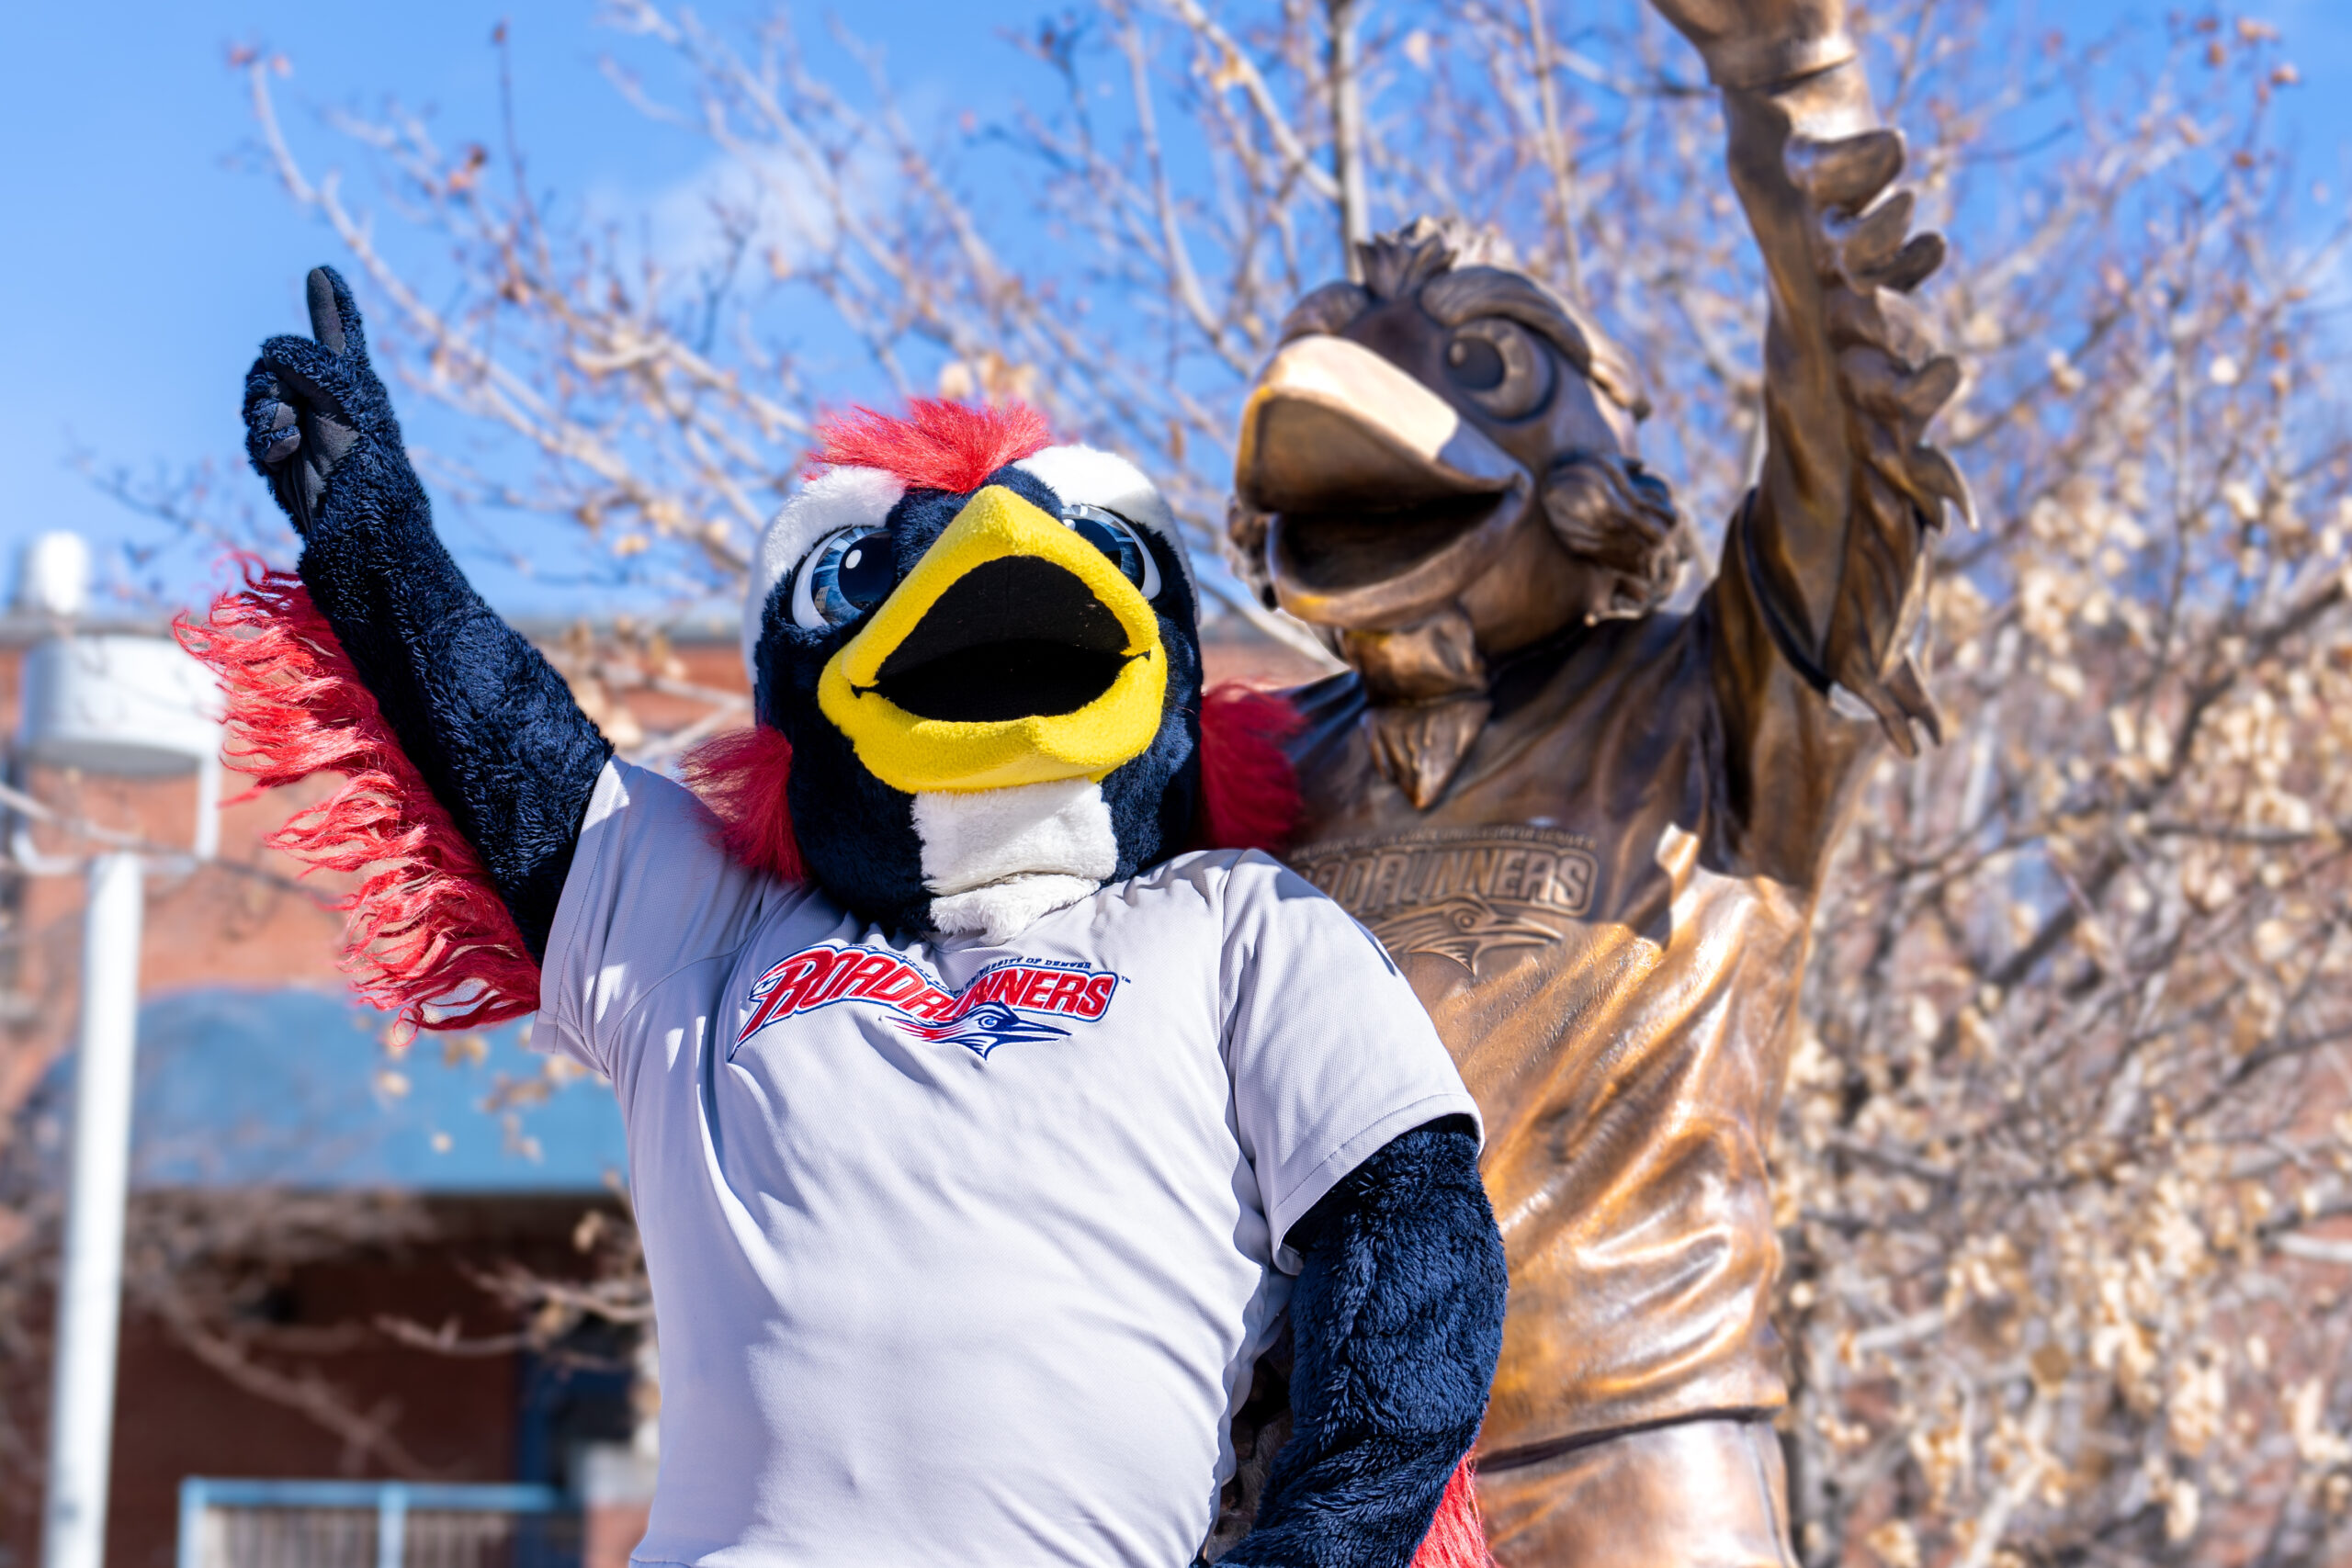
(996, 1008)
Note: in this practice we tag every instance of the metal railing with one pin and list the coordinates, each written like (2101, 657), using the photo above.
(374, 1524)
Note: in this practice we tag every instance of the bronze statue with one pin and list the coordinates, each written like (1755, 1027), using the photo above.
(1593, 829)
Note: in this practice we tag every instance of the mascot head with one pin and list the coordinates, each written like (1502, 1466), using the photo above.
(983, 651)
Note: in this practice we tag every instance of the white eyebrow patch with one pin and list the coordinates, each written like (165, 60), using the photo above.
(838, 498)
(1090, 476)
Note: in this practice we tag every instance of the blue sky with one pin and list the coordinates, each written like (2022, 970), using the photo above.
(148, 257)
(149, 254)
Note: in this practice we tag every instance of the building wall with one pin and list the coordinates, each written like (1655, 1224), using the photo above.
(457, 1419)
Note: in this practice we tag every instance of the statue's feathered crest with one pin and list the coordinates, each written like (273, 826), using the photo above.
(1460, 270)
(1397, 263)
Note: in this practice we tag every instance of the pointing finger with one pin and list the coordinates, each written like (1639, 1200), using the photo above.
(334, 314)
(326, 321)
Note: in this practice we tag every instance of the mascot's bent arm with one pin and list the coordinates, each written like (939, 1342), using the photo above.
(489, 725)
(1397, 1311)
(1399, 1319)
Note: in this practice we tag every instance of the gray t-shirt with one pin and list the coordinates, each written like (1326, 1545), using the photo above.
(963, 1253)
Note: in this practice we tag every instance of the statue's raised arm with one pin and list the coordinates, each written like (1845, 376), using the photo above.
(1832, 537)
(1588, 816)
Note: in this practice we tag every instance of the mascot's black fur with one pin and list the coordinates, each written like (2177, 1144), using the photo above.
(866, 853)
(1396, 1316)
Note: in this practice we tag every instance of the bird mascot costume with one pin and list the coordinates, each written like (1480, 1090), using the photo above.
(984, 1128)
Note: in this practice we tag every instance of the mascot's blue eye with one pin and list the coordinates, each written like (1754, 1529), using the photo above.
(847, 575)
(1112, 534)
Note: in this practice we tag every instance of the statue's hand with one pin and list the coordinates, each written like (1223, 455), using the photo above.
(1891, 373)
(310, 400)
(1754, 43)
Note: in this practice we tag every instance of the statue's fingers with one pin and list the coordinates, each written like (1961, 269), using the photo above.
(1902, 328)
(1931, 386)
(1872, 240)
(1875, 318)
(1932, 469)
(1879, 381)
(1872, 378)
(1911, 695)
(1882, 451)
(1920, 471)
(1887, 456)
(1845, 175)
(1908, 267)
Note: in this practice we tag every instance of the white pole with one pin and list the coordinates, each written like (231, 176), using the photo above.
(89, 1290)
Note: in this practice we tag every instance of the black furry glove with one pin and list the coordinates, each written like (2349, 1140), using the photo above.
(490, 725)
(309, 403)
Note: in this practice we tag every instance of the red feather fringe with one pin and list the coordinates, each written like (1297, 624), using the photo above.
(425, 935)
(1249, 797)
(1457, 1537)
(742, 775)
(936, 445)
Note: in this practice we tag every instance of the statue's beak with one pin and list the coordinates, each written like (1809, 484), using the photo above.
(1386, 503)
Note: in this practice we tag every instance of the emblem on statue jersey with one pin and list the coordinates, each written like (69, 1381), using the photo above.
(1000, 1006)
(1465, 894)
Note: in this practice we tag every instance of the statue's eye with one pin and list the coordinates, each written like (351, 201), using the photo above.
(845, 576)
(1116, 538)
(1475, 363)
(1498, 363)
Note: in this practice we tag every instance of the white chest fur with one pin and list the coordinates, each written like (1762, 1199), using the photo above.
(998, 860)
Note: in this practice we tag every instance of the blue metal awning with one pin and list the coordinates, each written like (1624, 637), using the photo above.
(294, 1088)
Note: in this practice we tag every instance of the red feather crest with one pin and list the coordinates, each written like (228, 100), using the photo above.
(936, 445)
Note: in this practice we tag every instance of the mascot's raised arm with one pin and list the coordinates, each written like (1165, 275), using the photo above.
(981, 1133)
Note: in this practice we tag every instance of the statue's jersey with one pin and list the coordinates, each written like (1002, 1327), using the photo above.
(1606, 914)
(965, 1253)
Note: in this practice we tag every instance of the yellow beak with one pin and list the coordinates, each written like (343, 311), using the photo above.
(1013, 653)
